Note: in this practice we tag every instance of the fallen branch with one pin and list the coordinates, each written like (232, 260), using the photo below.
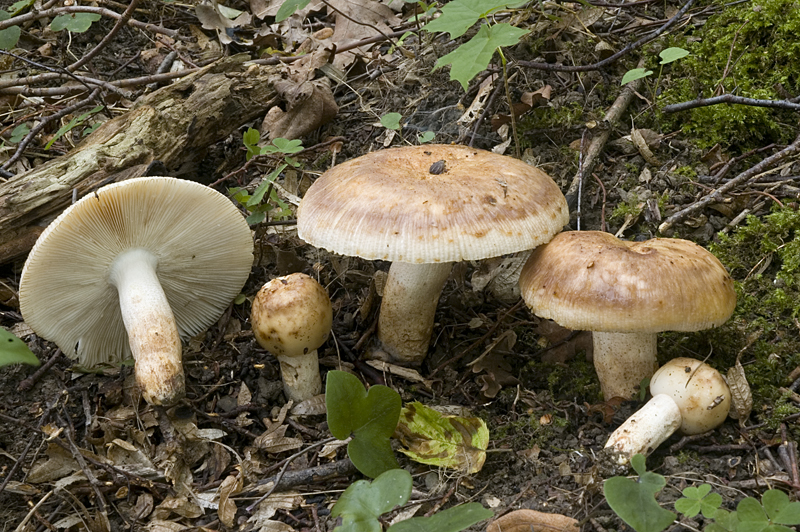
(174, 124)
(717, 195)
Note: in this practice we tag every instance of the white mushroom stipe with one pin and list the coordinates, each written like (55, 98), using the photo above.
(623, 360)
(150, 324)
(688, 395)
(410, 298)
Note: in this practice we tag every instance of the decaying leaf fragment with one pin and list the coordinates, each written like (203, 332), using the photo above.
(741, 396)
(533, 521)
(444, 441)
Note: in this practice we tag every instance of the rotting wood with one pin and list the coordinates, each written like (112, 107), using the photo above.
(174, 124)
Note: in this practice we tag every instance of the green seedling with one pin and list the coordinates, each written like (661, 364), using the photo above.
(669, 55)
(74, 22)
(392, 121)
(255, 203)
(76, 121)
(15, 351)
(19, 133)
(370, 418)
(474, 56)
(635, 503)
(363, 502)
(9, 36)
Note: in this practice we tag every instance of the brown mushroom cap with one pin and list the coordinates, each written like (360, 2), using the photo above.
(433, 203)
(589, 280)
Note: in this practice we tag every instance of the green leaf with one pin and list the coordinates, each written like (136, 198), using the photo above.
(779, 509)
(672, 54)
(250, 139)
(363, 502)
(369, 417)
(15, 351)
(426, 137)
(752, 517)
(258, 193)
(459, 15)
(724, 521)
(391, 121)
(19, 133)
(633, 75)
(288, 146)
(474, 55)
(9, 36)
(635, 502)
(699, 499)
(74, 22)
(442, 441)
(451, 520)
(289, 7)
(16, 7)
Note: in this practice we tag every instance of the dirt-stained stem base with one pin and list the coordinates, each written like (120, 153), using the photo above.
(622, 360)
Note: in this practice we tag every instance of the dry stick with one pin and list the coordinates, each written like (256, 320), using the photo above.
(607, 61)
(45, 121)
(731, 99)
(121, 21)
(27, 384)
(612, 117)
(21, 458)
(716, 195)
(49, 13)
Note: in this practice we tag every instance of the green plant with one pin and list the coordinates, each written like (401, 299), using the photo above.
(76, 121)
(255, 203)
(635, 503)
(393, 121)
(74, 22)
(369, 417)
(15, 351)
(669, 55)
(363, 502)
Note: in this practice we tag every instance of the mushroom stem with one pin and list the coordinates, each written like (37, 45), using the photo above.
(409, 303)
(645, 430)
(152, 333)
(622, 360)
(301, 379)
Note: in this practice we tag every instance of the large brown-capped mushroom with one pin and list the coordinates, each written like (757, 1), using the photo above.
(626, 293)
(131, 269)
(688, 396)
(291, 318)
(424, 208)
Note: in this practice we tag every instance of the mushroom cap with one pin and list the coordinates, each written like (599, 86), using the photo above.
(589, 280)
(699, 390)
(202, 242)
(291, 315)
(432, 203)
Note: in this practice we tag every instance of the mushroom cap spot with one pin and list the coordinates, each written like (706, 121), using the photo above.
(589, 280)
(388, 205)
(291, 315)
(203, 245)
(704, 402)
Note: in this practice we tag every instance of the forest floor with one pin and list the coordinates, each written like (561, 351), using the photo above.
(79, 450)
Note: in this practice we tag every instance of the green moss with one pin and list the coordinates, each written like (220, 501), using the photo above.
(631, 207)
(747, 49)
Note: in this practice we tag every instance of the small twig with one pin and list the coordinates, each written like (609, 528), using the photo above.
(50, 13)
(731, 99)
(603, 207)
(289, 460)
(27, 384)
(121, 21)
(717, 195)
(21, 459)
(484, 113)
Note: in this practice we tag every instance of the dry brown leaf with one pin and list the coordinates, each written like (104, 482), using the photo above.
(641, 145)
(178, 504)
(261, 520)
(367, 18)
(276, 442)
(564, 344)
(59, 463)
(497, 370)
(533, 521)
(227, 507)
(741, 396)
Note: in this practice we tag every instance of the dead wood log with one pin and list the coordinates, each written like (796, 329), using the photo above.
(174, 124)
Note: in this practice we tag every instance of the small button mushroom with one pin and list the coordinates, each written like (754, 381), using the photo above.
(688, 396)
(291, 318)
(626, 293)
(424, 208)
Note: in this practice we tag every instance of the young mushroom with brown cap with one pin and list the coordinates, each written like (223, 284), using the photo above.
(291, 318)
(132, 268)
(424, 208)
(626, 293)
(688, 396)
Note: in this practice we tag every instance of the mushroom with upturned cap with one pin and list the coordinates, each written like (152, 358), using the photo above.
(131, 269)
(291, 318)
(423, 208)
(688, 396)
(625, 293)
